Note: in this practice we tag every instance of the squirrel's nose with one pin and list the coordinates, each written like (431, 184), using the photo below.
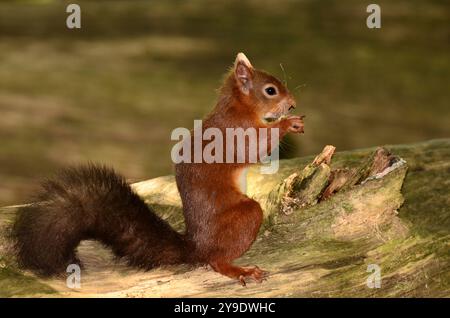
(291, 103)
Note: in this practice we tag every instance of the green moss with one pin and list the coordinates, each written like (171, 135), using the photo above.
(15, 284)
(302, 252)
(347, 207)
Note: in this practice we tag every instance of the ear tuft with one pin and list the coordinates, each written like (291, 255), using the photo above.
(243, 72)
(241, 58)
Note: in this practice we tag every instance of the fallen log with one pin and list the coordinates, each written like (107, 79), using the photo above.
(326, 221)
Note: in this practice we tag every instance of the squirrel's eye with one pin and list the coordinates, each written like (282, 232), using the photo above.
(271, 90)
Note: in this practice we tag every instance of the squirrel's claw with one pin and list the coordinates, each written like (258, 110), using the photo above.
(255, 273)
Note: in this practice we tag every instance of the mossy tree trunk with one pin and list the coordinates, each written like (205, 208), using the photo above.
(327, 221)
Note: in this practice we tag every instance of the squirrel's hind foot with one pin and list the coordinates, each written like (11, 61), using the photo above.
(255, 273)
(242, 274)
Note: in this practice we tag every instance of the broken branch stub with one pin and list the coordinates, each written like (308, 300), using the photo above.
(380, 159)
(317, 182)
(325, 156)
(302, 188)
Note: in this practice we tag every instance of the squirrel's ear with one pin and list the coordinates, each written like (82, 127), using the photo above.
(243, 72)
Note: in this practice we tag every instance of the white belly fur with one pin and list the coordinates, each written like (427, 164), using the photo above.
(242, 180)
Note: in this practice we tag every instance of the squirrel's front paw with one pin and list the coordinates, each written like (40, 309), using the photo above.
(295, 124)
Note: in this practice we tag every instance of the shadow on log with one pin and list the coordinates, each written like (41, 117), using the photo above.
(328, 219)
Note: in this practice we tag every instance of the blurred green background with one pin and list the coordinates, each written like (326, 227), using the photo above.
(113, 91)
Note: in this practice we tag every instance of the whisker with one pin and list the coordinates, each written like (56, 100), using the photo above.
(299, 86)
(284, 145)
(284, 75)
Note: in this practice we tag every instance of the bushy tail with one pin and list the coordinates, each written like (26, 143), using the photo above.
(92, 202)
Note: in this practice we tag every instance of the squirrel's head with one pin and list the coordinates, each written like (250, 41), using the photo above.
(261, 92)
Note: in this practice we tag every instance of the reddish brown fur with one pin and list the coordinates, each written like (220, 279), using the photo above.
(221, 221)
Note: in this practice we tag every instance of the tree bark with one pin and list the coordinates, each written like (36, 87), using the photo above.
(328, 220)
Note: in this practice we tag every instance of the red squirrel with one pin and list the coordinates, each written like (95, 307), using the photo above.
(94, 202)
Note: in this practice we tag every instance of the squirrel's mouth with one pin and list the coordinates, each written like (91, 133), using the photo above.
(279, 112)
(271, 117)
